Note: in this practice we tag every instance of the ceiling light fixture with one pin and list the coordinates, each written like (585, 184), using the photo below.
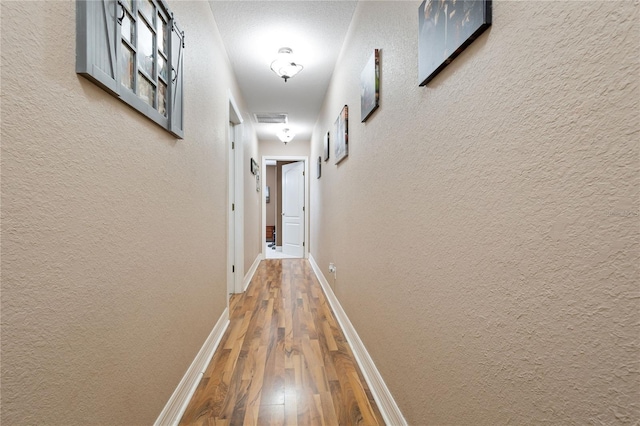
(284, 66)
(285, 135)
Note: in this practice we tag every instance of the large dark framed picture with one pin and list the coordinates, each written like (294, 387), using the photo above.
(446, 28)
(341, 135)
(370, 86)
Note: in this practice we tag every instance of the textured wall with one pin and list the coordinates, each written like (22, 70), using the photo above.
(277, 148)
(271, 206)
(252, 205)
(113, 232)
(485, 228)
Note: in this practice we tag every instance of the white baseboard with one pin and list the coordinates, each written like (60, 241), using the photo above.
(177, 404)
(387, 405)
(249, 276)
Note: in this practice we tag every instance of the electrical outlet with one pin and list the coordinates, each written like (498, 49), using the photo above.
(332, 267)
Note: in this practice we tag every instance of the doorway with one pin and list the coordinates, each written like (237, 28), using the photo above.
(285, 209)
(235, 204)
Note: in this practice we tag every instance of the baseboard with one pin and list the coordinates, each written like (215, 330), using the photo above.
(249, 276)
(387, 405)
(177, 404)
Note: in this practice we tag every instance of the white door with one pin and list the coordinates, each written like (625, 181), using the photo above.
(293, 209)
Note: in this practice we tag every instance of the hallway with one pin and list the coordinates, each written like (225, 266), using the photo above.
(283, 359)
(480, 233)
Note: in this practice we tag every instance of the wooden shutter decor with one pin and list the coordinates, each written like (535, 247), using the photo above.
(96, 56)
(176, 113)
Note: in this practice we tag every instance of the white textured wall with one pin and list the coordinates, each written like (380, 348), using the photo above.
(271, 182)
(276, 148)
(113, 232)
(485, 228)
(252, 205)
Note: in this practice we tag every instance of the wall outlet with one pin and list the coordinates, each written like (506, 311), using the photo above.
(332, 267)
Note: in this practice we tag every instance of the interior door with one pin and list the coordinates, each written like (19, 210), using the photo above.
(293, 209)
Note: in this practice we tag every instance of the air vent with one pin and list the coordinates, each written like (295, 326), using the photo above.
(271, 118)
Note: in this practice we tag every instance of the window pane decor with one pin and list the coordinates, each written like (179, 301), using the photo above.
(127, 67)
(133, 50)
(145, 48)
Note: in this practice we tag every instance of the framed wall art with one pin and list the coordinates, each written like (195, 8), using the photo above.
(446, 28)
(370, 86)
(341, 135)
(326, 147)
(254, 167)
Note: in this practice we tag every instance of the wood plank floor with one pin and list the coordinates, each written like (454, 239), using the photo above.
(283, 360)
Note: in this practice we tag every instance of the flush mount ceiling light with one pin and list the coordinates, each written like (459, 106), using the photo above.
(284, 66)
(285, 135)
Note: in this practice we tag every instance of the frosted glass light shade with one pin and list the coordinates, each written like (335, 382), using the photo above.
(284, 66)
(285, 135)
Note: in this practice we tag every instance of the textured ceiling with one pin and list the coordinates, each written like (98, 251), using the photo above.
(253, 31)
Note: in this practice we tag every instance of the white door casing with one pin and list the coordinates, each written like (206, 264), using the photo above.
(231, 247)
(235, 209)
(293, 209)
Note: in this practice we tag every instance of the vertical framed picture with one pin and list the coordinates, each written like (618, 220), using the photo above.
(326, 147)
(370, 86)
(319, 167)
(254, 167)
(341, 135)
(446, 28)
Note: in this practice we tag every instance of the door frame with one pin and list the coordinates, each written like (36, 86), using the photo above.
(235, 195)
(263, 202)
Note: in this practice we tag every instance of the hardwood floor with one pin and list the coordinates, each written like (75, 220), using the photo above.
(283, 360)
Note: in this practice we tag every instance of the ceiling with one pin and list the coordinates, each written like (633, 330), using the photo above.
(253, 31)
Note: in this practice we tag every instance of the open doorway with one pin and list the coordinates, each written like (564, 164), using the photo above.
(285, 221)
(235, 203)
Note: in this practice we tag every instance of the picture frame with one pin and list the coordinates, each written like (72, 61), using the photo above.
(267, 194)
(319, 167)
(326, 146)
(254, 166)
(370, 86)
(341, 135)
(445, 29)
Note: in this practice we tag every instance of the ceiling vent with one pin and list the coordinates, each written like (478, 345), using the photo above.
(271, 118)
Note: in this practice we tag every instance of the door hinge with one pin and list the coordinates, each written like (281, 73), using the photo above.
(233, 207)
(233, 145)
(303, 244)
(303, 173)
(233, 269)
(302, 208)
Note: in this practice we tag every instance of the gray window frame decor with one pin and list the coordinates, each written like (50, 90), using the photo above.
(102, 46)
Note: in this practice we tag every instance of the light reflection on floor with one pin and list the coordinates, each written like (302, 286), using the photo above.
(270, 253)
